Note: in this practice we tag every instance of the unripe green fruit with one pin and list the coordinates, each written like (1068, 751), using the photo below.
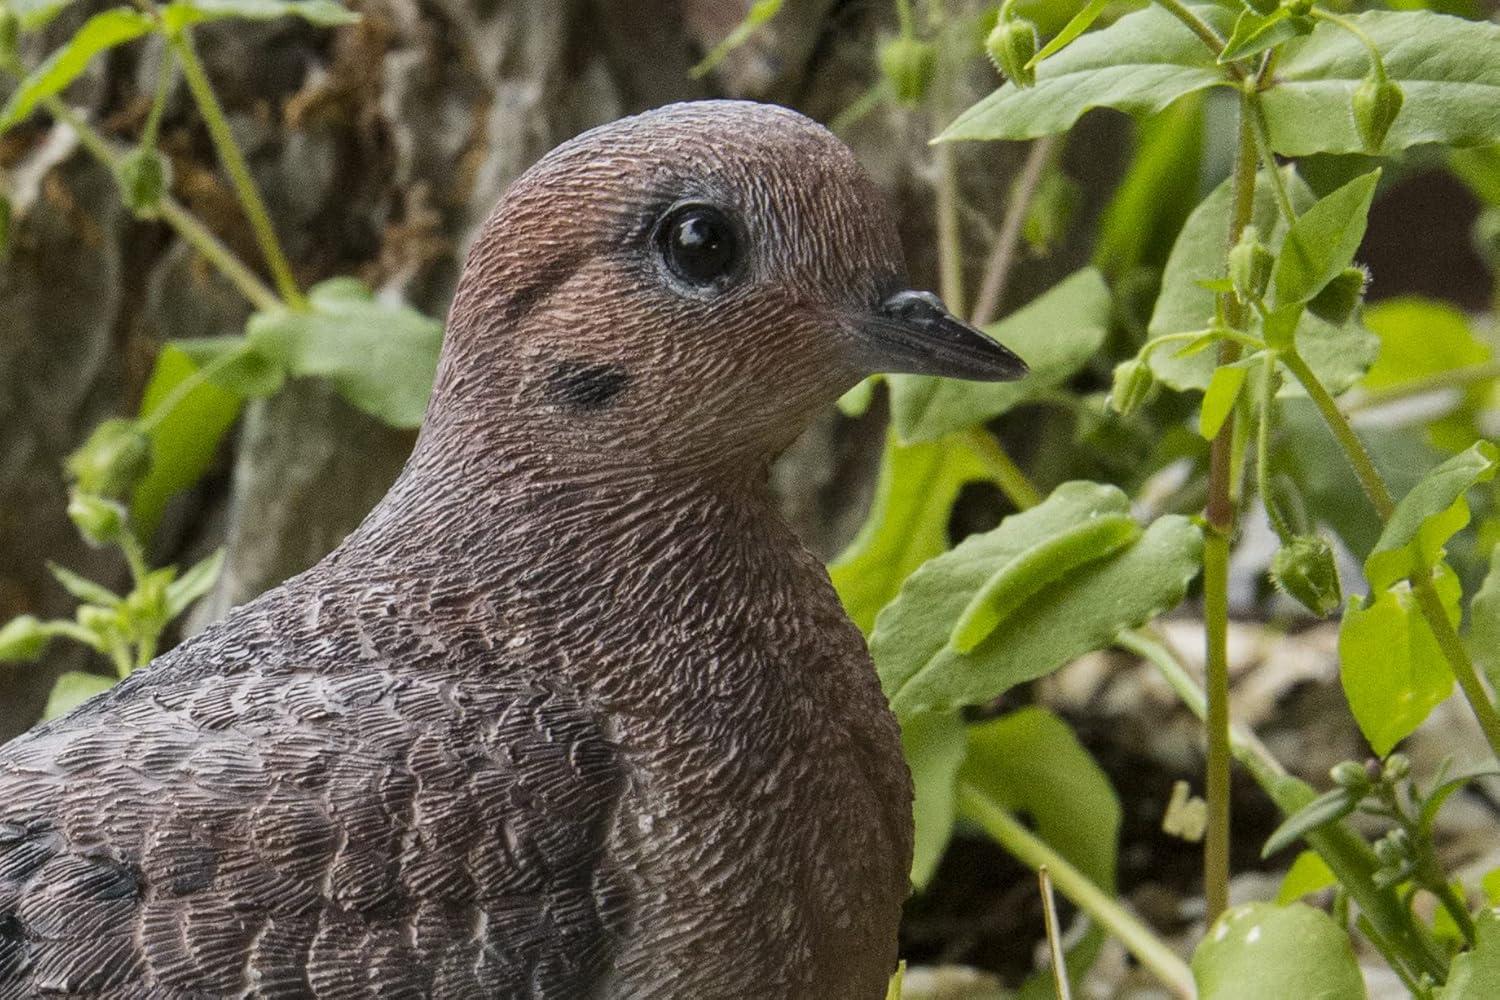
(908, 64)
(144, 178)
(1304, 569)
(1133, 386)
(1250, 266)
(1376, 105)
(1011, 46)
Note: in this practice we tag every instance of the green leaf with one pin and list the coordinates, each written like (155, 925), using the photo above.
(1420, 338)
(1218, 399)
(1143, 62)
(1338, 354)
(907, 525)
(34, 14)
(1483, 637)
(1254, 33)
(1330, 807)
(1152, 202)
(73, 689)
(893, 989)
(324, 13)
(760, 12)
(184, 438)
(380, 357)
(1057, 333)
(83, 588)
(1077, 25)
(193, 584)
(23, 639)
(1262, 950)
(99, 33)
(1079, 613)
(1030, 762)
(934, 747)
(1323, 240)
(1309, 873)
(1393, 671)
(1475, 974)
(1433, 512)
(1448, 68)
(233, 364)
(1042, 564)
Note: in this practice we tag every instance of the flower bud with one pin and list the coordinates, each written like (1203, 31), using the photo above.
(144, 176)
(112, 461)
(1299, 8)
(908, 64)
(1250, 266)
(1304, 569)
(22, 639)
(1350, 775)
(1011, 45)
(1376, 105)
(1263, 7)
(99, 521)
(1133, 386)
(1397, 766)
(1338, 299)
(1388, 852)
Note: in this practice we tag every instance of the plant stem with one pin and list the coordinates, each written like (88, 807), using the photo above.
(1053, 926)
(171, 212)
(950, 238)
(165, 75)
(1149, 949)
(1263, 451)
(1199, 27)
(1377, 65)
(1002, 257)
(1008, 475)
(1349, 857)
(1354, 448)
(1458, 659)
(239, 172)
(1267, 155)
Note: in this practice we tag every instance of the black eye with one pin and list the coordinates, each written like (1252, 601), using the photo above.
(698, 244)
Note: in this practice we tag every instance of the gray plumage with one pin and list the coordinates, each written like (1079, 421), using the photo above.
(572, 714)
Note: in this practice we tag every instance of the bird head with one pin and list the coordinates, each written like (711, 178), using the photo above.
(689, 285)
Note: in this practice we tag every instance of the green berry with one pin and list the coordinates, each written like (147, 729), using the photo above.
(908, 64)
(1011, 46)
(1376, 103)
(1305, 570)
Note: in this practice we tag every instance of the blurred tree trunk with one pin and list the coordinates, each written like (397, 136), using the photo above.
(380, 148)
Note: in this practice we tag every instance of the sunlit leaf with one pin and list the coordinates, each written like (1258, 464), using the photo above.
(197, 581)
(1433, 512)
(1309, 873)
(1322, 241)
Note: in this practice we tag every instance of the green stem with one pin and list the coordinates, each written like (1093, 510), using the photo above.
(1008, 475)
(135, 557)
(1268, 156)
(72, 630)
(1377, 65)
(1263, 451)
(164, 79)
(1007, 831)
(1003, 256)
(1443, 890)
(1199, 27)
(239, 172)
(1389, 953)
(1345, 853)
(1354, 448)
(1458, 659)
(1060, 979)
(950, 250)
(172, 213)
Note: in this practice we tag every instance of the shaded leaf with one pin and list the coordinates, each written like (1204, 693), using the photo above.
(235, 365)
(183, 439)
(1392, 669)
(1143, 62)
(34, 14)
(934, 746)
(1262, 950)
(72, 689)
(1153, 201)
(1057, 333)
(1483, 636)
(1079, 613)
(1447, 67)
(1254, 32)
(1323, 240)
(99, 33)
(1430, 514)
(1077, 25)
(907, 524)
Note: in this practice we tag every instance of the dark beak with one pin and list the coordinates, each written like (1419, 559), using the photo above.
(913, 333)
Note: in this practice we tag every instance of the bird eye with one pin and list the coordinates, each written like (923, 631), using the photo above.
(698, 244)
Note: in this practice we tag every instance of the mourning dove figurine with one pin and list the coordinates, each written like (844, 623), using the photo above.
(572, 714)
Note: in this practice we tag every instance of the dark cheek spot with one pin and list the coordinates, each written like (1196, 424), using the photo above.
(585, 385)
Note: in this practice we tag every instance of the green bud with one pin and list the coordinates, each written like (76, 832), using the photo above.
(1264, 7)
(114, 459)
(100, 521)
(1388, 853)
(22, 639)
(1397, 766)
(1376, 105)
(1250, 265)
(1299, 8)
(146, 605)
(1133, 386)
(1351, 775)
(908, 63)
(144, 177)
(1338, 299)
(1011, 45)
(1304, 569)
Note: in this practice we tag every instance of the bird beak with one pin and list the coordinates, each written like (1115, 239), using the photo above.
(913, 333)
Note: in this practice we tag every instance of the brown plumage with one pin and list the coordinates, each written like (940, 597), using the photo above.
(572, 714)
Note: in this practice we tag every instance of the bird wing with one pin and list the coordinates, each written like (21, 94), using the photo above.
(309, 835)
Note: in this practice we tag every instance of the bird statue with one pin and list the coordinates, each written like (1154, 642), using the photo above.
(572, 714)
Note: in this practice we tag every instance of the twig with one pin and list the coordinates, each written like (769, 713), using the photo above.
(1001, 261)
(1054, 935)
